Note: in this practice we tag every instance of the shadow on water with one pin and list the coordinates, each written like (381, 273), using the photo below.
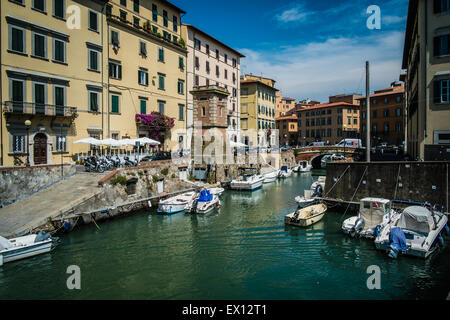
(242, 250)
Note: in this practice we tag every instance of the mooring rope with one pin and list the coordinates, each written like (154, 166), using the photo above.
(348, 206)
(343, 173)
(396, 184)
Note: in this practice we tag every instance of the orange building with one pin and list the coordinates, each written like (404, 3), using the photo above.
(283, 105)
(288, 130)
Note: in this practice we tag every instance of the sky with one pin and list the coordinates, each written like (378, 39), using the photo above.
(312, 48)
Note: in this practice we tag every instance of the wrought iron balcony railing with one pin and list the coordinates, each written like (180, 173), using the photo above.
(19, 107)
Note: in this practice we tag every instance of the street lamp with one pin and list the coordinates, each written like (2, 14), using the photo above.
(28, 125)
(345, 142)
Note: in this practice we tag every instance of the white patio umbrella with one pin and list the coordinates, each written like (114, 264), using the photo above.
(110, 143)
(237, 144)
(88, 141)
(146, 140)
(127, 142)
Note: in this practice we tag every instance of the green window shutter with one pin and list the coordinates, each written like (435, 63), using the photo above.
(143, 107)
(181, 113)
(437, 91)
(94, 102)
(115, 104)
(181, 63)
(17, 40)
(161, 82)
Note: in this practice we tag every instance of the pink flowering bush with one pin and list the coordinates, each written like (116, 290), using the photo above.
(156, 123)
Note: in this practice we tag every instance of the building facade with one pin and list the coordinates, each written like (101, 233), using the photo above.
(386, 116)
(213, 63)
(426, 57)
(328, 122)
(257, 110)
(288, 130)
(87, 68)
(283, 105)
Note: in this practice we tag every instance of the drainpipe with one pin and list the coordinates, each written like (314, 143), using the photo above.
(1, 98)
(426, 76)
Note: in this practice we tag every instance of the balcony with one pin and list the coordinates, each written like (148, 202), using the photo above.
(30, 108)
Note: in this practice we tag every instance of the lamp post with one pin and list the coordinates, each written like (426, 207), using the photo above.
(345, 143)
(28, 125)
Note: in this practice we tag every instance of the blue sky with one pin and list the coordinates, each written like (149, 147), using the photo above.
(313, 49)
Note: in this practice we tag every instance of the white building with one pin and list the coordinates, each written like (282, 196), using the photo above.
(211, 62)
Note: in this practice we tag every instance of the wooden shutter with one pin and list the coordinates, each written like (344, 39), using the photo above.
(437, 91)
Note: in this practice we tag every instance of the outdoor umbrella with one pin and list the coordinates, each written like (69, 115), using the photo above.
(88, 141)
(146, 140)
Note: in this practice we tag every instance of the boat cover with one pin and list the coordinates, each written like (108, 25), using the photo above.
(372, 217)
(4, 243)
(41, 236)
(416, 218)
(205, 196)
(284, 168)
(397, 239)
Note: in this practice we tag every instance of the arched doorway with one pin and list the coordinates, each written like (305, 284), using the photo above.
(40, 149)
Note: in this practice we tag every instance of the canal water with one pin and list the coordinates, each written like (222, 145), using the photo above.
(241, 251)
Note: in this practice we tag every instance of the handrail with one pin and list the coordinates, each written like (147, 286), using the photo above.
(21, 107)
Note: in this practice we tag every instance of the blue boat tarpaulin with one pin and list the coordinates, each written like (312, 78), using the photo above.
(205, 196)
(398, 239)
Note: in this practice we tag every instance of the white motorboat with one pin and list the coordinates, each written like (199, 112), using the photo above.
(417, 232)
(374, 214)
(25, 247)
(285, 172)
(205, 202)
(270, 176)
(217, 191)
(248, 183)
(331, 157)
(304, 166)
(306, 216)
(177, 203)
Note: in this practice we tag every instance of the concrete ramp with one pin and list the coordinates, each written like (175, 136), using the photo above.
(26, 214)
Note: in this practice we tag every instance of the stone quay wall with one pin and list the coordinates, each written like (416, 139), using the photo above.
(17, 183)
(408, 181)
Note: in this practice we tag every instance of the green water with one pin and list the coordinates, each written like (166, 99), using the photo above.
(241, 251)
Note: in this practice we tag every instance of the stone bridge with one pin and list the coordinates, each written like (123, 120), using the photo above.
(315, 154)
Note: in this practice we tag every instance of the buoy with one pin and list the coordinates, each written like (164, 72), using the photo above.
(67, 225)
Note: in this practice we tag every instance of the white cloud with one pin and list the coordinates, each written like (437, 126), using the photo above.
(319, 69)
(392, 19)
(290, 15)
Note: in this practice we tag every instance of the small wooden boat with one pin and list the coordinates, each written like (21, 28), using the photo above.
(306, 216)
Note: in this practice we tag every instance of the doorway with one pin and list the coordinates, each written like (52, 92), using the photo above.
(40, 149)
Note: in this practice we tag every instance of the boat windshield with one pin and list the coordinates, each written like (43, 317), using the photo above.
(387, 207)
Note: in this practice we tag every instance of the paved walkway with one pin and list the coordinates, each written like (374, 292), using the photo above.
(35, 210)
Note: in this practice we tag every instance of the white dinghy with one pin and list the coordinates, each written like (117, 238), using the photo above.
(177, 203)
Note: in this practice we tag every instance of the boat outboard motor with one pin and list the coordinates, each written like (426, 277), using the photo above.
(357, 228)
(318, 191)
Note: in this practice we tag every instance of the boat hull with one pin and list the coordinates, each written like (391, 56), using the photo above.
(306, 219)
(171, 208)
(247, 185)
(20, 253)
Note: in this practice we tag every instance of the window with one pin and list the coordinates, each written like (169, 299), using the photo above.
(39, 97)
(207, 49)
(136, 21)
(244, 91)
(374, 101)
(386, 127)
(17, 39)
(93, 101)
(398, 126)
(355, 120)
(143, 48)
(217, 71)
(217, 54)
(115, 70)
(123, 3)
(363, 115)
(339, 132)
(386, 113)
(19, 143)
(398, 112)
(442, 45)
(114, 103)
(115, 38)
(374, 129)
(374, 113)
(123, 15)
(244, 108)
(207, 82)
(441, 91)
(175, 24)
(181, 112)
(234, 63)
(181, 63)
(108, 10)
(386, 100)
(197, 63)
(59, 50)
(197, 44)
(161, 80)
(59, 8)
(207, 67)
(93, 21)
(226, 74)
(329, 121)
(143, 77)
(166, 35)
(165, 19)
(154, 13)
(234, 78)
(136, 6)
(226, 58)
(93, 60)
(234, 92)
(180, 86)
(39, 45)
(398, 99)
(197, 80)
(161, 105)
(441, 6)
(339, 120)
(60, 143)
(143, 105)
(39, 5)
(161, 54)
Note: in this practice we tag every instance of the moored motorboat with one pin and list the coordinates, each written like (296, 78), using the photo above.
(309, 197)
(205, 202)
(285, 172)
(177, 203)
(304, 166)
(417, 232)
(25, 247)
(270, 176)
(247, 183)
(304, 217)
(373, 215)
(320, 181)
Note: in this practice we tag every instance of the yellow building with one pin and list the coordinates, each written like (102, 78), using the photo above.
(257, 109)
(85, 68)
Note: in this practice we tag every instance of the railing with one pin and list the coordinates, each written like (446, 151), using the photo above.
(19, 107)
